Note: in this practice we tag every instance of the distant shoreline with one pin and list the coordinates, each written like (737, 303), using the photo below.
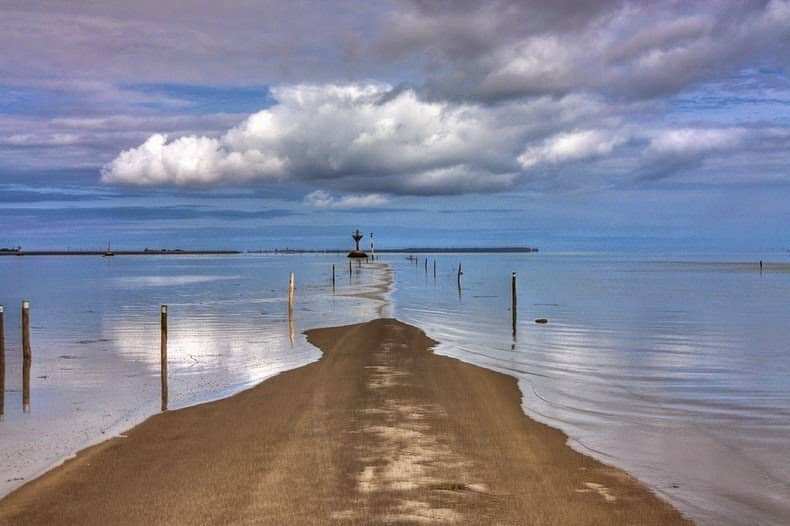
(172, 252)
(163, 252)
(426, 250)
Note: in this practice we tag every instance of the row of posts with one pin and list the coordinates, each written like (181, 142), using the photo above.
(27, 353)
(459, 273)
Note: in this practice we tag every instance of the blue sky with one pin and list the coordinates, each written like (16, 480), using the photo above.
(655, 126)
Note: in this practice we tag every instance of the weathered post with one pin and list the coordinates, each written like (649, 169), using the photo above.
(434, 269)
(163, 357)
(2, 363)
(333, 277)
(27, 356)
(459, 281)
(291, 309)
(291, 292)
(514, 303)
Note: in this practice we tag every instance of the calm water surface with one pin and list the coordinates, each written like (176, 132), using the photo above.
(95, 338)
(675, 369)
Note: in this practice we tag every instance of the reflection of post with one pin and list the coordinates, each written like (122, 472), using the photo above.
(291, 326)
(2, 363)
(514, 304)
(163, 354)
(26, 356)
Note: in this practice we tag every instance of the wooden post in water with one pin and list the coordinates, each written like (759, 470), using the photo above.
(459, 281)
(163, 349)
(426, 266)
(434, 269)
(350, 270)
(333, 277)
(291, 308)
(2, 363)
(291, 293)
(514, 303)
(27, 356)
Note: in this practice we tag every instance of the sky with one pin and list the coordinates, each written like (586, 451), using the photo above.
(565, 124)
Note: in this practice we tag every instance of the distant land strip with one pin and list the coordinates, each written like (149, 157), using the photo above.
(178, 251)
(424, 250)
(148, 252)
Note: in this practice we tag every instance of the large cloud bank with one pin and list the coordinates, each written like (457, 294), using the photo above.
(562, 94)
(365, 137)
(375, 138)
(512, 48)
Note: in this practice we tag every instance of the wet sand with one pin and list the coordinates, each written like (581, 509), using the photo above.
(378, 431)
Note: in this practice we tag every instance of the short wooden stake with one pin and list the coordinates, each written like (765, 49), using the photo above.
(291, 292)
(459, 281)
(2, 363)
(27, 356)
(514, 303)
(164, 355)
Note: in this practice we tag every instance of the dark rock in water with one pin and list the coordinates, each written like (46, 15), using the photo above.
(541, 320)
(357, 254)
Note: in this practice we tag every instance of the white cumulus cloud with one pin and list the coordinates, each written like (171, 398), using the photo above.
(370, 140)
(356, 137)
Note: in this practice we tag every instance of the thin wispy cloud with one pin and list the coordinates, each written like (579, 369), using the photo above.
(321, 199)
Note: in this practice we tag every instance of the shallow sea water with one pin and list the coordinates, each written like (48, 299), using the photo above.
(95, 337)
(676, 369)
